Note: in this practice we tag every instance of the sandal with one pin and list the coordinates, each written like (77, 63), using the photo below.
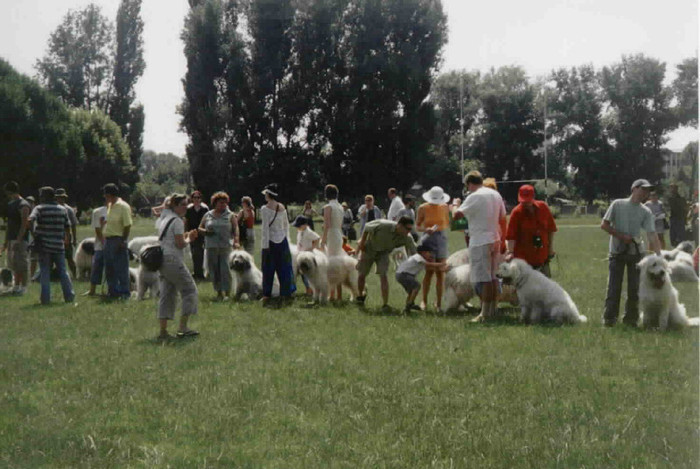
(187, 333)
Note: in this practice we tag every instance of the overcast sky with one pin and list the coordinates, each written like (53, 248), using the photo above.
(539, 35)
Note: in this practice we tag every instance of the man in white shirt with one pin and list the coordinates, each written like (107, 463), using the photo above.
(396, 205)
(483, 209)
(99, 217)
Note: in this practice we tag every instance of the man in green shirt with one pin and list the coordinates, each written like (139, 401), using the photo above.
(116, 233)
(379, 238)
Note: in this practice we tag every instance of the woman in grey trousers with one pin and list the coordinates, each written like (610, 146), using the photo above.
(220, 228)
(175, 277)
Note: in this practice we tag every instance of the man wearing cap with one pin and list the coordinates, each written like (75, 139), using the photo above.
(116, 234)
(530, 234)
(484, 210)
(379, 238)
(62, 199)
(17, 237)
(624, 221)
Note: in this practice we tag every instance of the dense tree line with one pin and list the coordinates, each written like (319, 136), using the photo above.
(304, 92)
(92, 65)
(43, 141)
(605, 128)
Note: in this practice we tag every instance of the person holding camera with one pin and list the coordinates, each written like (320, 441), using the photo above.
(530, 234)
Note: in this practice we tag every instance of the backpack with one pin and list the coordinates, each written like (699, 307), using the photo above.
(152, 256)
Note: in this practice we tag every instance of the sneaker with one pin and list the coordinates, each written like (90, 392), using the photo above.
(360, 300)
(88, 293)
(413, 307)
(187, 333)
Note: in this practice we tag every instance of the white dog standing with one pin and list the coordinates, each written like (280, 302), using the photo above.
(540, 297)
(658, 299)
(83, 258)
(314, 264)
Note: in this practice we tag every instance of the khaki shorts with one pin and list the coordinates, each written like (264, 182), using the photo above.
(368, 258)
(483, 262)
(18, 257)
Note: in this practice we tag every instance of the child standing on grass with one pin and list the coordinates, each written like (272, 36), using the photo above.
(408, 269)
(307, 240)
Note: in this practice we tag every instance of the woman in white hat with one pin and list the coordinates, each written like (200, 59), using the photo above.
(433, 220)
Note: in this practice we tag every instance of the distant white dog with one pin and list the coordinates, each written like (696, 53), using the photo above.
(658, 299)
(83, 258)
(458, 258)
(342, 271)
(314, 264)
(540, 297)
(246, 276)
(459, 290)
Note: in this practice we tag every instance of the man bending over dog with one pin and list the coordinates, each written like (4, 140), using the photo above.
(379, 238)
(484, 210)
(624, 221)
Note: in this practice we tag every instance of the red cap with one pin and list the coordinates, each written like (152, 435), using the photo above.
(526, 193)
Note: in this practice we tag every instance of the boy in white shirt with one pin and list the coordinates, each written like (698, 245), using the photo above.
(99, 216)
(408, 269)
(307, 240)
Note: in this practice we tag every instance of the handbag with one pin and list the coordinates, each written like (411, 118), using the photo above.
(458, 225)
(152, 256)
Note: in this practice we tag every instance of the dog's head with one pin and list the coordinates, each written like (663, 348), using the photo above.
(685, 246)
(6, 277)
(511, 272)
(655, 269)
(240, 261)
(307, 262)
(88, 246)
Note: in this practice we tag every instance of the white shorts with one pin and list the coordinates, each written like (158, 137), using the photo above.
(483, 262)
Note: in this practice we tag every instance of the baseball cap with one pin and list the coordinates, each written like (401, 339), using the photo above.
(526, 193)
(642, 183)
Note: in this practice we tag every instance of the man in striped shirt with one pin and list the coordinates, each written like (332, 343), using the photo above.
(51, 231)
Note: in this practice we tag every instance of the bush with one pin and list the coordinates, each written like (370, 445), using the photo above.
(602, 206)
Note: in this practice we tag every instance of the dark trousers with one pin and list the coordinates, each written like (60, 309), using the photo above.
(616, 271)
(197, 250)
(677, 233)
(116, 257)
(278, 259)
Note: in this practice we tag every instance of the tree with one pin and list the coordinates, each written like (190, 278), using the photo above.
(575, 106)
(508, 129)
(637, 121)
(78, 64)
(685, 89)
(128, 68)
(48, 143)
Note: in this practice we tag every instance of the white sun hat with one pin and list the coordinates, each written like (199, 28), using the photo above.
(436, 196)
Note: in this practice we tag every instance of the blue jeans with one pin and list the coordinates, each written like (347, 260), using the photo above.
(278, 259)
(116, 258)
(98, 267)
(46, 260)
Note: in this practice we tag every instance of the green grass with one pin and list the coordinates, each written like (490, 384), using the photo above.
(340, 386)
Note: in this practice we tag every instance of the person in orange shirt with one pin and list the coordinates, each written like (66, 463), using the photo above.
(530, 234)
(433, 220)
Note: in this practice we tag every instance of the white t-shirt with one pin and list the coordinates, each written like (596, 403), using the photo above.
(413, 265)
(98, 215)
(274, 228)
(394, 209)
(306, 238)
(177, 227)
(483, 209)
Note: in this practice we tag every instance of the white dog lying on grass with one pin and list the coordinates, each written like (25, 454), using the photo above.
(658, 299)
(540, 297)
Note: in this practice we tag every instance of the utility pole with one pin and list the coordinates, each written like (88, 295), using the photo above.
(546, 194)
(461, 126)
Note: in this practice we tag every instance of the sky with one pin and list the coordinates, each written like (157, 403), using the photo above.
(539, 35)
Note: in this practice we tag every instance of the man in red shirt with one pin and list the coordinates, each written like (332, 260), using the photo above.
(531, 230)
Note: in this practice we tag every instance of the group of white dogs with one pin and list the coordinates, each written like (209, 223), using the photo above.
(539, 298)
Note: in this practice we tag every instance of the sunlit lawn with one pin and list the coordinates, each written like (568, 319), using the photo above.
(340, 386)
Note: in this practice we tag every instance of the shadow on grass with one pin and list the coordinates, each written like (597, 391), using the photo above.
(43, 307)
(171, 342)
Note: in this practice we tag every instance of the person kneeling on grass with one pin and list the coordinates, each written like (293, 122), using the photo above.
(175, 277)
(408, 269)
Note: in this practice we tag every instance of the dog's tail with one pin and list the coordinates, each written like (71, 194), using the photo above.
(694, 322)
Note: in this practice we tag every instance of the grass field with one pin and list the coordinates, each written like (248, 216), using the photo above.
(86, 386)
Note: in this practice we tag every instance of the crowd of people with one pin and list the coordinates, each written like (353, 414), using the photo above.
(45, 233)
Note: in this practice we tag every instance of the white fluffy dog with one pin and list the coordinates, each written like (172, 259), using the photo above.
(458, 258)
(246, 276)
(342, 271)
(540, 297)
(680, 263)
(459, 290)
(83, 258)
(314, 264)
(658, 299)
